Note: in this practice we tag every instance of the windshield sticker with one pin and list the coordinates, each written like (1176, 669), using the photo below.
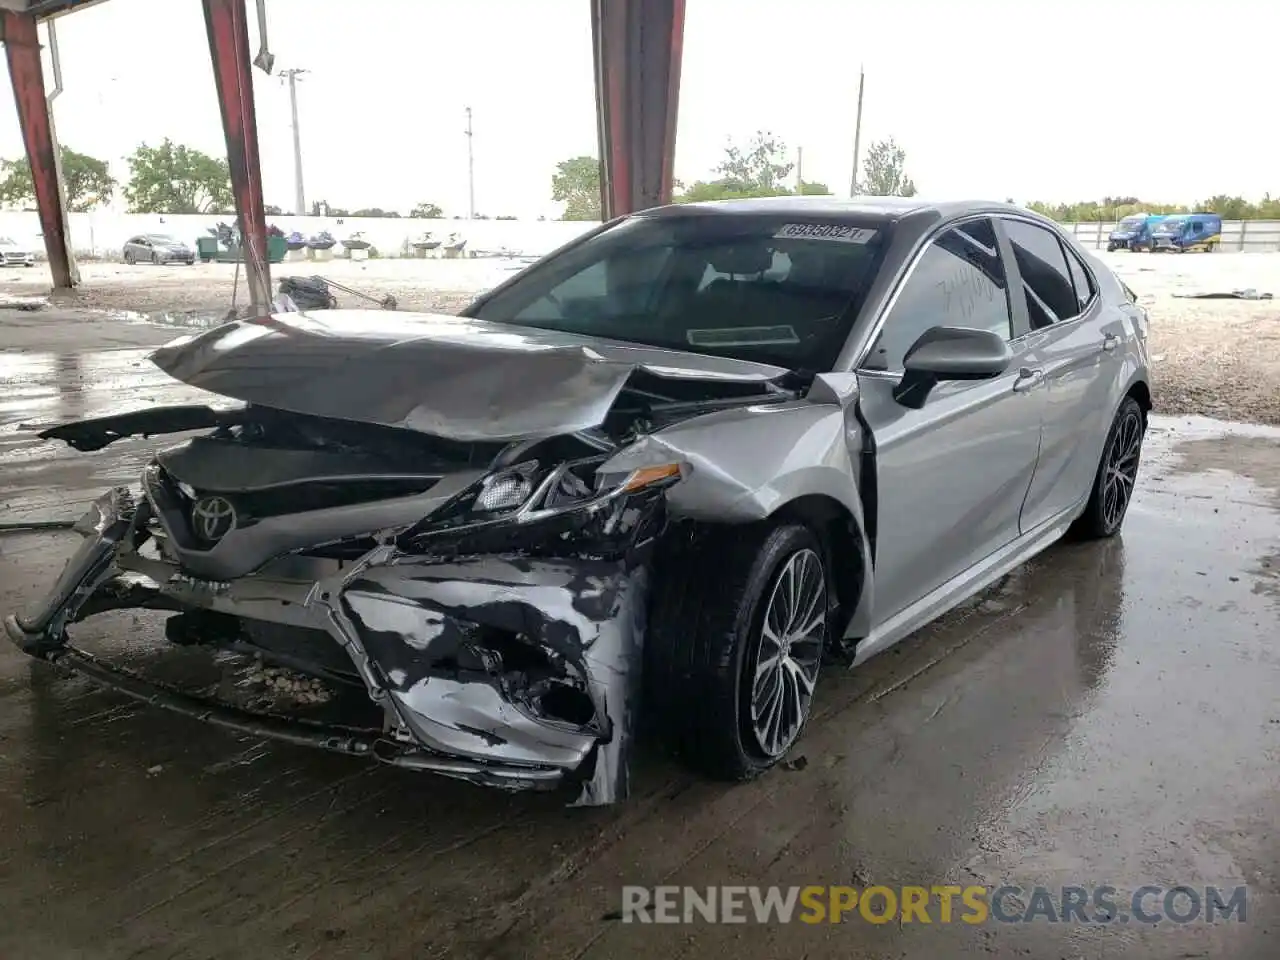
(781, 335)
(835, 232)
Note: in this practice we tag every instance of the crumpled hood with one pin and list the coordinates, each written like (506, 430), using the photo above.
(453, 377)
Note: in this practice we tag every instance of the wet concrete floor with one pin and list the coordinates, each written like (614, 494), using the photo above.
(1109, 715)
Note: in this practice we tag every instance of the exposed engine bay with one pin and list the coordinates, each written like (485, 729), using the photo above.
(488, 595)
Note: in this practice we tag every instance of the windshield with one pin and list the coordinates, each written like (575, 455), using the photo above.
(773, 289)
(161, 238)
(1131, 223)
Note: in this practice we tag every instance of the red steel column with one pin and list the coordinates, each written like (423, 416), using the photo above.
(22, 47)
(638, 46)
(228, 28)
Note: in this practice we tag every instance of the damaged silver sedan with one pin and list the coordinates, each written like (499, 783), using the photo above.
(657, 479)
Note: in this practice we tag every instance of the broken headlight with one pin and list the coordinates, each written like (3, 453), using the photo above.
(529, 493)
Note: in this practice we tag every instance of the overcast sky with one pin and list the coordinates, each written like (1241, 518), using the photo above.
(1171, 100)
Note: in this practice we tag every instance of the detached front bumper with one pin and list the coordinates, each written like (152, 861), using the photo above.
(503, 671)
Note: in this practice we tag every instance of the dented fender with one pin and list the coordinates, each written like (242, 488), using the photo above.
(747, 463)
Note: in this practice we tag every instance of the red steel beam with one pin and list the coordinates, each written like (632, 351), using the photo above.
(22, 48)
(638, 47)
(228, 27)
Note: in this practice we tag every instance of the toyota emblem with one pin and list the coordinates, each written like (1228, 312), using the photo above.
(213, 518)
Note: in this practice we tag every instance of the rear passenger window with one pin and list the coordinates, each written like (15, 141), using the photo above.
(1046, 278)
(1080, 278)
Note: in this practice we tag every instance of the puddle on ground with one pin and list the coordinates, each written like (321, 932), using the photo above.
(1253, 456)
(186, 319)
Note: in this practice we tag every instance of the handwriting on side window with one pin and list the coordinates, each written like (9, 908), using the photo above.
(965, 292)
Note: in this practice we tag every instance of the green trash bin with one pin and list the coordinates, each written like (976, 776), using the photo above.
(207, 248)
(277, 247)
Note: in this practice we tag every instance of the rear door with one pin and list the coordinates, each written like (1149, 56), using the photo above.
(950, 477)
(1076, 351)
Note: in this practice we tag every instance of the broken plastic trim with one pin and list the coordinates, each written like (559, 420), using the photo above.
(454, 519)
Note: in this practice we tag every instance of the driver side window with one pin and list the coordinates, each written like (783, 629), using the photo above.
(958, 281)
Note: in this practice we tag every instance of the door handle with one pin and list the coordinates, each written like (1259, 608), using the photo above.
(1027, 379)
(1110, 342)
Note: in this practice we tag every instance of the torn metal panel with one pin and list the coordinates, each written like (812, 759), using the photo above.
(511, 661)
(453, 377)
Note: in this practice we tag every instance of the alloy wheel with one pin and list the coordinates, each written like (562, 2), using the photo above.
(1122, 469)
(793, 634)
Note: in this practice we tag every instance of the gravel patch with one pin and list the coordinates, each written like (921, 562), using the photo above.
(1219, 358)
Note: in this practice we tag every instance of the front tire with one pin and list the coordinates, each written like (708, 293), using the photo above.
(732, 659)
(155, 259)
(1117, 475)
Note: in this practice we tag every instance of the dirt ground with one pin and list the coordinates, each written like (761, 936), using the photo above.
(1220, 358)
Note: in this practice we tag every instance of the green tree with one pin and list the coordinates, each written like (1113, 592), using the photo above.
(884, 171)
(172, 178)
(426, 211)
(375, 212)
(576, 184)
(87, 179)
(760, 167)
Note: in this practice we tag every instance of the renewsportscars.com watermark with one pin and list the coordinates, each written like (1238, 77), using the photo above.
(933, 904)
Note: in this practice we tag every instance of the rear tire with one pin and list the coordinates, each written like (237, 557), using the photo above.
(1117, 475)
(730, 663)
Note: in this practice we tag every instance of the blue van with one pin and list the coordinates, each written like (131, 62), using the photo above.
(1133, 232)
(1192, 231)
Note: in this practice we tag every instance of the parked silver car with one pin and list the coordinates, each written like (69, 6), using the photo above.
(662, 474)
(14, 254)
(157, 248)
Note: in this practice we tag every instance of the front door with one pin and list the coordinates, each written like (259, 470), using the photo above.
(951, 476)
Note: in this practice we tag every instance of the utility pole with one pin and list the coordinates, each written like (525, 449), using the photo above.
(471, 171)
(857, 135)
(799, 170)
(299, 198)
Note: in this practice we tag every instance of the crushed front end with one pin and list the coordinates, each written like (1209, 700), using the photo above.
(490, 601)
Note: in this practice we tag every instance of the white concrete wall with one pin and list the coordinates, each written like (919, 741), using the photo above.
(103, 234)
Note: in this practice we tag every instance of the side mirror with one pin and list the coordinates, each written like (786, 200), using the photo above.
(950, 353)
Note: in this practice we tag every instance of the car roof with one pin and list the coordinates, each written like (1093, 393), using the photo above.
(877, 208)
